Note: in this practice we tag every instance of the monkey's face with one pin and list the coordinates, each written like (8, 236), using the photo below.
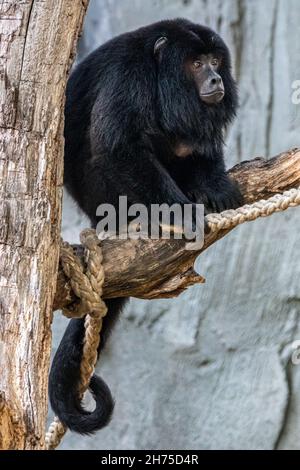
(195, 83)
(204, 71)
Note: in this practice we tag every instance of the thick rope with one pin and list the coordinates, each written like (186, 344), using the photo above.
(87, 280)
(263, 208)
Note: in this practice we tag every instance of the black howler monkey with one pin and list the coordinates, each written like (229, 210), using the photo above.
(145, 116)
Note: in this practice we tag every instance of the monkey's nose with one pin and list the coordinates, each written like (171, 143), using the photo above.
(216, 81)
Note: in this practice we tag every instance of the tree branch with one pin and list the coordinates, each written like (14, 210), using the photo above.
(152, 269)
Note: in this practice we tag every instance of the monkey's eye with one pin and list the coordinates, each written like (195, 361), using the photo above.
(197, 64)
(215, 62)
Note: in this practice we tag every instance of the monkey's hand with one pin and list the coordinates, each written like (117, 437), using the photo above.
(218, 196)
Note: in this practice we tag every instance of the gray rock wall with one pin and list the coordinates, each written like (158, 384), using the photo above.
(212, 369)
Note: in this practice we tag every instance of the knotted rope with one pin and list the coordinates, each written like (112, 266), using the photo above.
(87, 281)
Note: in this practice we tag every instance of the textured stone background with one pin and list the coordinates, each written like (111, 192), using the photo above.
(212, 369)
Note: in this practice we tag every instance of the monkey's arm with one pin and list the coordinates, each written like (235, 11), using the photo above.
(209, 183)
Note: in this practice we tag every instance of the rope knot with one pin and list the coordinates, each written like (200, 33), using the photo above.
(87, 280)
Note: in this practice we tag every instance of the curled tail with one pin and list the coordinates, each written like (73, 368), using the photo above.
(65, 377)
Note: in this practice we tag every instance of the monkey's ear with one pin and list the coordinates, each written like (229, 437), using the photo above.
(160, 44)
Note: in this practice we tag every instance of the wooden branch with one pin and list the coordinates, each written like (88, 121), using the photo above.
(151, 269)
(37, 40)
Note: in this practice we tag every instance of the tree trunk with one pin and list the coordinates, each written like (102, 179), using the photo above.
(37, 41)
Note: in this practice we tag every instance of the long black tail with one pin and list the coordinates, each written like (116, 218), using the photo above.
(65, 375)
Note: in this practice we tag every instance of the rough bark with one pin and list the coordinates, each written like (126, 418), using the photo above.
(152, 269)
(37, 42)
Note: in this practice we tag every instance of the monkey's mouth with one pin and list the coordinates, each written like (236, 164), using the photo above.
(213, 97)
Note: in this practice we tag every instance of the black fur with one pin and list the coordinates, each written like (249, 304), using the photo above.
(127, 107)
